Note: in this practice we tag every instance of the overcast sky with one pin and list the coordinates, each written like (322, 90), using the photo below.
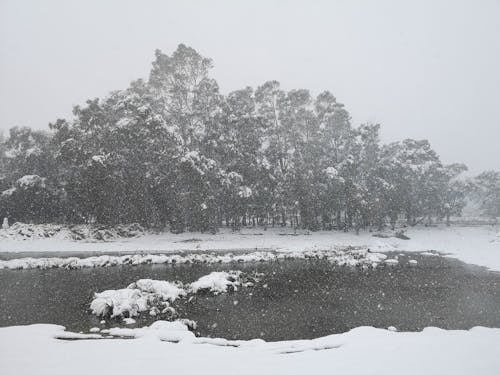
(422, 69)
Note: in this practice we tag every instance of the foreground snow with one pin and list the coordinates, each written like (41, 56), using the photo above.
(476, 245)
(363, 350)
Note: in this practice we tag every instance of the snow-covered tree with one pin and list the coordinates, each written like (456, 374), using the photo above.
(173, 151)
(487, 192)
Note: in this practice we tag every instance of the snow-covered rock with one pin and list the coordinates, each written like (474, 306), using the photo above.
(143, 295)
(121, 302)
(156, 296)
(31, 180)
(220, 282)
(167, 291)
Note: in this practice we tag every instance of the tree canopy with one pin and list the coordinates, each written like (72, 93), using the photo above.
(173, 151)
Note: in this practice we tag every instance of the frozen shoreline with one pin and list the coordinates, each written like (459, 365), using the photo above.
(475, 245)
(344, 257)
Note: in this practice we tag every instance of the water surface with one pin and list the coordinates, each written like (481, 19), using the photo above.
(295, 298)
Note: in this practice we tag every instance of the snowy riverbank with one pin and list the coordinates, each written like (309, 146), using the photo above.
(363, 350)
(476, 245)
(171, 347)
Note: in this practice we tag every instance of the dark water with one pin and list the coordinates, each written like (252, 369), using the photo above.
(295, 299)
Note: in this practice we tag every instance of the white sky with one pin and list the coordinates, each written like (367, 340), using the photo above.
(423, 69)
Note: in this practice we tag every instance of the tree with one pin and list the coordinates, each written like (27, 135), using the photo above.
(172, 151)
(487, 192)
(29, 200)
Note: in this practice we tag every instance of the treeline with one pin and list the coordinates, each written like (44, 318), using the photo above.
(173, 151)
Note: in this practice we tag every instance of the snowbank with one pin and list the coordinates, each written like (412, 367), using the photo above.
(364, 350)
(21, 232)
(345, 256)
(477, 245)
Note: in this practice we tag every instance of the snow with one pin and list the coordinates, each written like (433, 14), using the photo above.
(119, 302)
(342, 256)
(218, 282)
(31, 181)
(126, 121)
(8, 193)
(143, 295)
(22, 231)
(331, 172)
(99, 159)
(162, 330)
(156, 295)
(245, 192)
(154, 348)
(392, 262)
(363, 350)
(166, 290)
(478, 245)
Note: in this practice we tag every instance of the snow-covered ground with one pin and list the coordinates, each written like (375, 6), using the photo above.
(364, 350)
(36, 349)
(476, 245)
